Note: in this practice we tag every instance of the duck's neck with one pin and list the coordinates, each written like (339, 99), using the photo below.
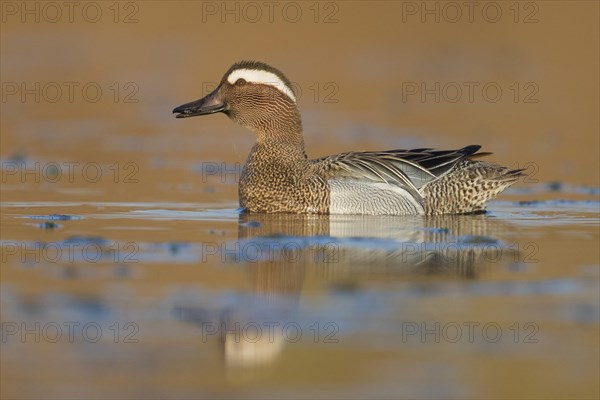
(282, 137)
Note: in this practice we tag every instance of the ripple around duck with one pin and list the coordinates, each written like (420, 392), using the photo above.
(554, 211)
(204, 215)
(120, 210)
(547, 205)
(554, 187)
(126, 205)
(54, 217)
(547, 212)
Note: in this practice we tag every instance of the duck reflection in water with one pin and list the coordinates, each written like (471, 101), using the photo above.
(283, 251)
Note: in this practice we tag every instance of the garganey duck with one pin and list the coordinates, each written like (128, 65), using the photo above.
(279, 178)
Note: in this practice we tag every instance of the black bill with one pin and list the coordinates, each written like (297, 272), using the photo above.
(209, 104)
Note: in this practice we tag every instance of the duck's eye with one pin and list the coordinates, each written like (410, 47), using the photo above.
(240, 82)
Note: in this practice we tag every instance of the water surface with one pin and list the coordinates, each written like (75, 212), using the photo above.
(128, 271)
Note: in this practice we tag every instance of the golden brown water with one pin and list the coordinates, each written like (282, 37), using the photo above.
(128, 272)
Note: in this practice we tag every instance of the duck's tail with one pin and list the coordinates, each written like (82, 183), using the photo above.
(467, 187)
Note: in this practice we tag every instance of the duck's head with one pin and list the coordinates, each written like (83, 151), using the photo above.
(251, 93)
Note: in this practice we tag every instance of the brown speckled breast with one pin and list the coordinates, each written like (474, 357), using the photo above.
(274, 185)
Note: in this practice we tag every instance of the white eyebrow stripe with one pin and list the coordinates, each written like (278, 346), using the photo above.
(263, 77)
